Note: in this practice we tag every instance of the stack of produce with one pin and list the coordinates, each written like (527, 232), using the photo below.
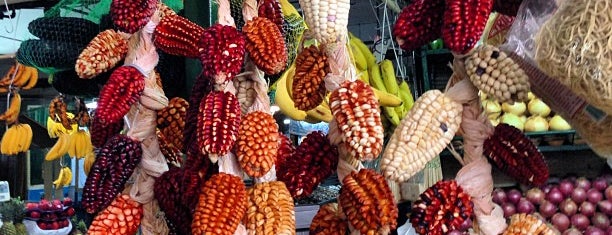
(50, 215)
(572, 205)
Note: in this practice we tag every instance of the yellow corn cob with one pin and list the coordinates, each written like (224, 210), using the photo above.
(327, 19)
(424, 132)
(270, 209)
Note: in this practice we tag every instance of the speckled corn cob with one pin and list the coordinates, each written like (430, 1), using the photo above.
(257, 143)
(222, 51)
(308, 85)
(218, 122)
(270, 209)
(368, 203)
(102, 54)
(171, 121)
(177, 35)
(423, 133)
(222, 205)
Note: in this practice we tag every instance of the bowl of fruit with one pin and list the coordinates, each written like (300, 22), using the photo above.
(49, 217)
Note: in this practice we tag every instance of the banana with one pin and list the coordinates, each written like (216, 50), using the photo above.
(60, 179)
(83, 144)
(20, 77)
(68, 177)
(33, 78)
(88, 162)
(27, 129)
(320, 113)
(388, 76)
(406, 96)
(386, 99)
(376, 77)
(59, 149)
(365, 51)
(8, 142)
(6, 79)
(72, 144)
(12, 113)
(283, 99)
(360, 61)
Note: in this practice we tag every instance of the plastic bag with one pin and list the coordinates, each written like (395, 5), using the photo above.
(570, 102)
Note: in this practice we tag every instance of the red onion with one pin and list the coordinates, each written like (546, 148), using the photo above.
(509, 209)
(600, 184)
(535, 196)
(594, 196)
(560, 221)
(514, 196)
(583, 182)
(594, 231)
(580, 221)
(547, 209)
(609, 230)
(499, 196)
(568, 207)
(600, 220)
(579, 195)
(608, 193)
(587, 208)
(566, 187)
(546, 188)
(605, 207)
(572, 231)
(555, 196)
(525, 206)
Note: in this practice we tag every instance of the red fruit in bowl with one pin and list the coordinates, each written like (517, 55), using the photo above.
(55, 225)
(67, 201)
(70, 211)
(31, 206)
(34, 214)
(44, 205)
(42, 225)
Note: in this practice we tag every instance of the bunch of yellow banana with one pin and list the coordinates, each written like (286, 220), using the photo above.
(55, 129)
(88, 162)
(381, 76)
(19, 75)
(64, 178)
(60, 148)
(16, 139)
(79, 144)
(11, 114)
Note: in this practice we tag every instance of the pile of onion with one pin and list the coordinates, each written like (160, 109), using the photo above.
(571, 205)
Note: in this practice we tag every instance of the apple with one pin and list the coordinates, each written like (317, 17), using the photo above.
(67, 201)
(55, 225)
(34, 214)
(65, 223)
(70, 211)
(31, 206)
(44, 205)
(42, 225)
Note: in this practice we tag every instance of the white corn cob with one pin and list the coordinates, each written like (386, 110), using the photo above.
(245, 91)
(326, 19)
(425, 131)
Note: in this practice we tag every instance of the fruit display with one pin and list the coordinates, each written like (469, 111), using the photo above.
(50, 215)
(573, 205)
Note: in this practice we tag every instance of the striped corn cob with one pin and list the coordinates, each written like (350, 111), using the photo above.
(270, 209)
(171, 121)
(308, 88)
(525, 224)
(516, 155)
(218, 122)
(222, 204)
(266, 45)
(425, 131)
(368, 202)
(441, 208)
(327, 19)
(172, 154)
(329, 220)
(355, 109)
(257, 143)
(102, 54)
(177, 35)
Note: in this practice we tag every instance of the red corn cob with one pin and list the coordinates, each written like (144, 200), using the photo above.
(266, 45)
(218, 122)
(257, 143)
(419, 23)
(464, 22)
(101, 132)
(177, 35)
(200, 89)
(120, 217)
(122, 89)
(222, 50)
(313, 161)
(285, 151)
(507, 7)
(516, 155)
(168, 193)
(271, 9)
(131, 15)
